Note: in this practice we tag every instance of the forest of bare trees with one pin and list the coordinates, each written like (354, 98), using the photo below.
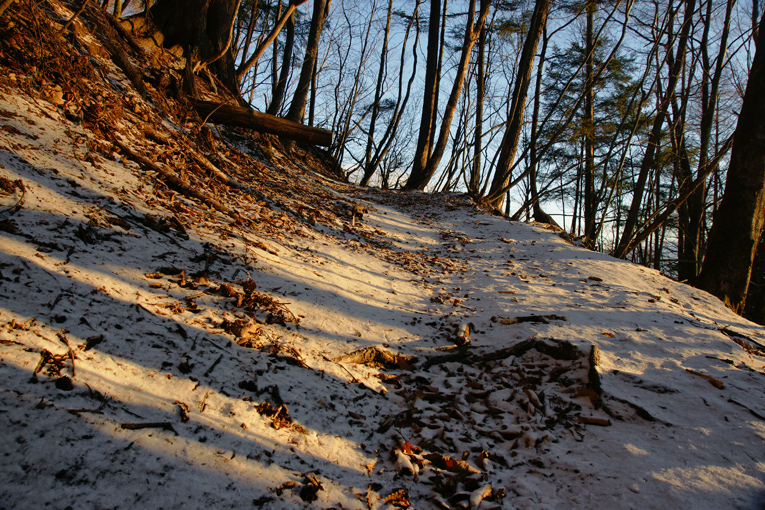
(613, 119)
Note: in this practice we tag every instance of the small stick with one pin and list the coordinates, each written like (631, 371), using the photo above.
(215, 364)
(84, 4)
(591, 420)
(166, 425)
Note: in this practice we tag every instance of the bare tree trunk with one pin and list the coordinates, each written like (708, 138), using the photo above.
(369, 167)
(281, 85)
(262, 47)
(589, 132)
(300, 99)
(475, 174)
(739, 221)
(509, 146)
(656, 132)
(389, 138)
(5, 5)
(539, 214)
(425, 135)
(419, 181)
(245, 44)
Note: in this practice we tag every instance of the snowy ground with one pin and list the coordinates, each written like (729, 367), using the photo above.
(155, 353)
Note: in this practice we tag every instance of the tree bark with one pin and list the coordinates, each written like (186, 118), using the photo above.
(262, 47)
(589, 132)
(389, 137)
(281, 85)
(472, 31)
(231, 115)
(369, 167)
(739, 221)
(474, 182)
(5, 5)
(509, 146)
(204, 26)
(430, 93)
(300, 99)
(655, 135)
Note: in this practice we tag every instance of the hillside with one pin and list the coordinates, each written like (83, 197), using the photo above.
(197, 317)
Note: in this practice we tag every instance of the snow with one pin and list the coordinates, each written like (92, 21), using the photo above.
(167, 410)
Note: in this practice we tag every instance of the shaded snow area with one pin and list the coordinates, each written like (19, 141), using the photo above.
(311, 344)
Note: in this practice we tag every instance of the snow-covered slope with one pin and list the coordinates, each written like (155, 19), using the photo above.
(277, 353)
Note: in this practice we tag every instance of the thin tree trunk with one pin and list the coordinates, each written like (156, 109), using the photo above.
(471, 35)
(245, 45)
(512, 135)
(475, 174)
(281, 85)
(539, 214)
(274, 58)
(369, 168)
(262, 47)
(656, 132)
(300, 99)
(403, 97)
(589, 131)
(425, 135)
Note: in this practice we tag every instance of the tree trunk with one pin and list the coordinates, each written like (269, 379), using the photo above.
(369, 167)
(4, 5)
(425, 135)
(589, 133)
(204, 26)
(502, 175)
(263, 46)
(300, 99)
(739, 221)
(389, 137)
(472, 30)
(281, 85)
(692, 257)
(539, 214)
(475, 174)
(655, 135)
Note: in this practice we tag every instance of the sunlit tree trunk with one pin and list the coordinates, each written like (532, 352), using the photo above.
(472, 30)
(509, 146)
(300, 99)
(369, 167)
(425, 134)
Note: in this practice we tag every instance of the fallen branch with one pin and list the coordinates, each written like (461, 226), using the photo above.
(232, 115)
(714, 382)
(376, 357)
(71, 20)
(591, 420)
(108, 35)
(166, 425)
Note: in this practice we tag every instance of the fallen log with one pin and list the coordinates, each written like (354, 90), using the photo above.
(234, 115)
